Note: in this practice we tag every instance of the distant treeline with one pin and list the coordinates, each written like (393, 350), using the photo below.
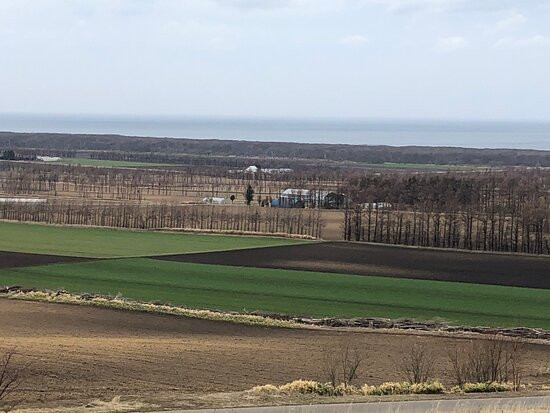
(155, 147)
(184, 184)
(160, 216)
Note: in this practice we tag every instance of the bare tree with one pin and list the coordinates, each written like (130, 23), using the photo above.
(331, 367)
(11, 378)
(494, 359)
(341, 364)
(515, 355)
(417, 364)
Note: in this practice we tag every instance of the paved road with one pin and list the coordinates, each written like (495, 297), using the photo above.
(513, 404)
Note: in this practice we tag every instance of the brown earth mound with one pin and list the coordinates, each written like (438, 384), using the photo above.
(389, 261)
(80, 353)
(10, 259)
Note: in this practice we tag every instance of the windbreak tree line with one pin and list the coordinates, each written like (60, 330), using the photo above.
(162, 216)
(147, 184)
(498, 211)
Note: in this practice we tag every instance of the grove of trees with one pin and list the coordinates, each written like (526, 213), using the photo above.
(169, 216)
(504, 211)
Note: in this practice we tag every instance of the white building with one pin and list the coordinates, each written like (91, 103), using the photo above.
(213, 200)
(48, 158)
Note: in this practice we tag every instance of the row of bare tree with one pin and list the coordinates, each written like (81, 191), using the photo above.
(496, 359)
(507, 212)
(143, 184)
(158, 216)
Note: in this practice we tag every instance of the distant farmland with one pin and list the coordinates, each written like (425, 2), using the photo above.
(104, 242)
(110, 163)
(328, 289)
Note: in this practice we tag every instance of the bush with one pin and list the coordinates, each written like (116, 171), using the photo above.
(326, 389)
(429, 387)
(393, 388)
(342, 390)
(302, 387)
(417, 364)
(489, 387)
(496, 359)
(387, 389)
(265, 389)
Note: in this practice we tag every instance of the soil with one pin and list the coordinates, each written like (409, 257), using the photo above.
(79, 353)
(389, 261)
(10, 259)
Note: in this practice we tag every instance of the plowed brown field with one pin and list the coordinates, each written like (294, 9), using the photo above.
(83, 353)
(389, 261)
(10, 259)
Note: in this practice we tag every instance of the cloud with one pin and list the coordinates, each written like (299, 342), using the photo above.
(522, 42)
(256, 4)
(511, 21)
(416, 6)
(449, 44)
(292, 6)
(407, 6)
(354, 39)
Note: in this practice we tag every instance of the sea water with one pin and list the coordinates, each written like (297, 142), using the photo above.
(475, 134)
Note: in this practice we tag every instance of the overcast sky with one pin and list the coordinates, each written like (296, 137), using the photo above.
(453, 59)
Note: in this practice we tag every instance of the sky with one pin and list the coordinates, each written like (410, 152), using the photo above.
(405, 59)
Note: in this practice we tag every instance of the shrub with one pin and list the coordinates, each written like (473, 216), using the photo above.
(301, 386)
(342, 390)
(368, 390)
(265, 389)
(496, 359)
(429, 387)
(393, 388)
(342, 363)
(417, 363)
(390, 388)
(489, 387)
(326, 389)
(387, 389)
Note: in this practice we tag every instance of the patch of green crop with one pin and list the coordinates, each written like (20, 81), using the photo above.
(105, 242)
(424, 166)
(110, 163)
(293, 292)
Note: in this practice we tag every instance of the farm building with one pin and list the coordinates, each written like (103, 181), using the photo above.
(377, 205)
(305, 198)
(334, 200)
(256, 169)
(252, 169)
(48, 158)
(213, 200)
(23, 200)
(295, 198)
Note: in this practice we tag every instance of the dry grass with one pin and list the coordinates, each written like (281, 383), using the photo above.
(116, 405)
(124, 304)
(327, 389)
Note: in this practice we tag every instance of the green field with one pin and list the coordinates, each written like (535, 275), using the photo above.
(424, 166)
(109, 163)
(292, 292)
(104, 242)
